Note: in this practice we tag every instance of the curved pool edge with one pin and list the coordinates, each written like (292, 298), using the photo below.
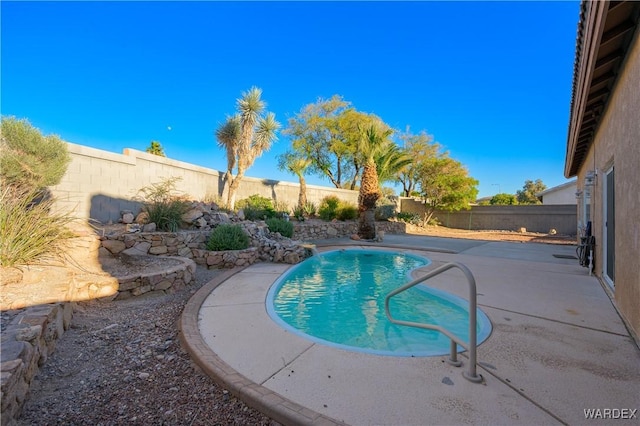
(268, 402)
(483, 320)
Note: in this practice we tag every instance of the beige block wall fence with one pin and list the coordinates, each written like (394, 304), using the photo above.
(535, 218)
(99, 184)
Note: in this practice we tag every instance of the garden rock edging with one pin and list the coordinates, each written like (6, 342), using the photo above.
(165, 280)
(265, 245)
(27, 341)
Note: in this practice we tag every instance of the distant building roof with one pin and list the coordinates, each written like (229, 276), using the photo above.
(557, 188)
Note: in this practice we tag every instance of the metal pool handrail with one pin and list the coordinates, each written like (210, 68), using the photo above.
(472, 345)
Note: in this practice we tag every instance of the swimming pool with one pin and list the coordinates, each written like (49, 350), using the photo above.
(337, 299)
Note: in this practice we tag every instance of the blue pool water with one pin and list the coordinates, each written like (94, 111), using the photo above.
(337, 299)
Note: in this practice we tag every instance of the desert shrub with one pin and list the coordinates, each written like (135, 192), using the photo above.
(407, 217)
(310, 209)
(328, 207)
(163, 204)
(284, 227)
(256, 201)
(385, 209)
(303, 212)
(28, 160)
(257, 207)
(227, 237)
(299, 213)
(31, 232)
(385, 212)
(281, 207)
(417, 219)
(346, 211)
(251, 213)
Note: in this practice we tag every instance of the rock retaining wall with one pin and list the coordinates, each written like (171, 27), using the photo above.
(265, 246)
(27, 341)
(167, 280)
(321, 230)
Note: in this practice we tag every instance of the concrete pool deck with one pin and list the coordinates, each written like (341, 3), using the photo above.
(558, 347)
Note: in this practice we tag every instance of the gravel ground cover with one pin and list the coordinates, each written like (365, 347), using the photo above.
(121, 363)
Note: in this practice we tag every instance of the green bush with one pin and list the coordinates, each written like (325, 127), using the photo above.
(299, 213)
(227, 237)
(31, 232)
(284, 227)
(257, 207)
(328, 207)
(407, 217)
(331, 207)
(164, 206)
(252, 213)
(255, 201)
(346, 212)
(29, 160)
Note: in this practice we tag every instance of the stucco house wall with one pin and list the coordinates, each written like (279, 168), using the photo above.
(617, 144)
(612, 147)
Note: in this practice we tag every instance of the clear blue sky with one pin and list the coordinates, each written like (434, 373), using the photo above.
(491, 81)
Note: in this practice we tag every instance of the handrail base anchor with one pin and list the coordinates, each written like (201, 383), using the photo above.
(475, 379)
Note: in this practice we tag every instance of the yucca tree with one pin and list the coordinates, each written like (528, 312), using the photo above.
(370, 145)
(245, 136)
(297, 164)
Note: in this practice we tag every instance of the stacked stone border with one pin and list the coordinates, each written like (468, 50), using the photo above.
(168, 280)
(28, 340)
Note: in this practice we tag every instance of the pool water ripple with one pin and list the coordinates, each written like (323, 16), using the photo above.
(337, 299)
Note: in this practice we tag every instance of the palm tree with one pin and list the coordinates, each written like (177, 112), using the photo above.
(156, 149)
(296, 164)
(390, 161)
(245, 136)
(370, 145)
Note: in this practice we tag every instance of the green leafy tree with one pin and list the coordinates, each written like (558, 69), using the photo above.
(349, 131)
(503, 199)
(245, 136)
(315, 135)
(28, 160)
(291, 161)
(155, 148)
(445, 185)
(420, 148)
(327, 133)
(371, 143)
(527, 195)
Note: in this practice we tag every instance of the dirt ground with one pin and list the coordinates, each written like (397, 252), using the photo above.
(508, 236)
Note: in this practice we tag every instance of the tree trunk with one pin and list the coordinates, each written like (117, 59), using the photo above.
(367, 224)
(224, 194)
(302, 195)
(369, 194)
(233, 188)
